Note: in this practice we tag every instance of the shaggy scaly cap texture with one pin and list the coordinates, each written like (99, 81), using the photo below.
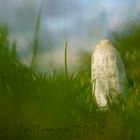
(107, 73)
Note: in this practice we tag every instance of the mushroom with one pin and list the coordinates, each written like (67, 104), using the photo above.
(107, 73)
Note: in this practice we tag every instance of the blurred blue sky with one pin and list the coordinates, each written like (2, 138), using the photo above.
(82, 22)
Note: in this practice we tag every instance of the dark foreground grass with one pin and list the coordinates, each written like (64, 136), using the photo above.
(59, 105)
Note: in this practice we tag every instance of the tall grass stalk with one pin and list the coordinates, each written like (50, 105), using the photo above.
(66, 66)
(36, 36)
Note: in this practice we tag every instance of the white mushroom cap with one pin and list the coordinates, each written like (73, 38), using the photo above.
(107, 73)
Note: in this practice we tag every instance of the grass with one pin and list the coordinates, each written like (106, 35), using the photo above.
(36, 36)
(66, 67)
(59, 105)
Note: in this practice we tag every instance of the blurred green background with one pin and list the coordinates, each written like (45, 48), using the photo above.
(59, 105)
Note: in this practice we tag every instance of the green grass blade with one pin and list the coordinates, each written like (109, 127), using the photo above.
(66, 66)
(36, 36)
